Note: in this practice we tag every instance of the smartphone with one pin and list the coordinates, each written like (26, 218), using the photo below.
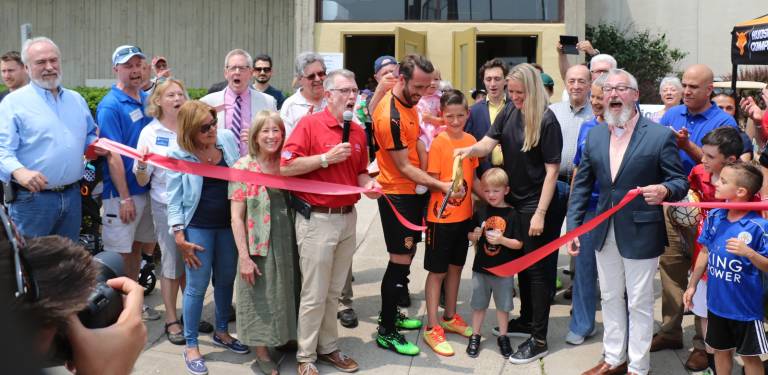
(569, 44)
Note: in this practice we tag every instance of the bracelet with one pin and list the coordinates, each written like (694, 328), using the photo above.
(126, 200)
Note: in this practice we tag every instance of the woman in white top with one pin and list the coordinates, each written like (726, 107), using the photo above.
(159, 137)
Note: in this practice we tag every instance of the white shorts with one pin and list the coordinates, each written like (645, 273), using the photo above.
(118, 236)
(172, 263)
(700, 300)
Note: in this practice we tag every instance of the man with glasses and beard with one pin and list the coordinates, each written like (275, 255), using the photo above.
(44, 131)
(308, 99)
(262, 73)
(631, 151)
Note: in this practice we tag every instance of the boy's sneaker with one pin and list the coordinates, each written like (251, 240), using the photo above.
(396, 342)
(516, 328)
(435, 338)
(505, 348)
(404, 322)
(528, 352)
(473, 348)
(456, 325)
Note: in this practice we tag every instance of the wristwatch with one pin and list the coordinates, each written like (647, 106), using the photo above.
(178, 227)
(323, 161)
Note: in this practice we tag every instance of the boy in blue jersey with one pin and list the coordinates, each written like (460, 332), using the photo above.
(735, 249)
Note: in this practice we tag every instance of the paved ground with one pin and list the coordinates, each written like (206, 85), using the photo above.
(161, 357)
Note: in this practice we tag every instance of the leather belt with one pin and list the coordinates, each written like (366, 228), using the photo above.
(56, 189)
(333, 210)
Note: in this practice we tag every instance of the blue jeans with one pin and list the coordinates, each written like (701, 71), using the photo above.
(47, 212)
(585, 293)
(219, 258)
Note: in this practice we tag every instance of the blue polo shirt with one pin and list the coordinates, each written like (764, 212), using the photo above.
(698, 126)
(121, 119)
(734, 284)
(581, 141)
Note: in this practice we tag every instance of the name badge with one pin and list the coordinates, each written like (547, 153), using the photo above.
(162, 141)
(136, 115)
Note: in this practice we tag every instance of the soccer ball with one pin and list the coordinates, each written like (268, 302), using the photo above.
(686, 217)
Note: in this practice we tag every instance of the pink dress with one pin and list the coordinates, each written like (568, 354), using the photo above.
(429, 104)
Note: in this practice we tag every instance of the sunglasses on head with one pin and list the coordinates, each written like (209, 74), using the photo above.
(205, 128)
(265, 70)
(127, 51)
(313, 76)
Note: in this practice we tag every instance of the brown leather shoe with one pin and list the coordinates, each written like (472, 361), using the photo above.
(339, 360)
(697, 361)
(661, 342)
(604, 368)
(307, 368)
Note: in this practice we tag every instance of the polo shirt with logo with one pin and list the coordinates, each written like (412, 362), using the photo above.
(395, 127)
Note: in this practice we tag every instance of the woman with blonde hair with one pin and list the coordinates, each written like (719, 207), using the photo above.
(198, 215)
(531, 143)
(262, 224)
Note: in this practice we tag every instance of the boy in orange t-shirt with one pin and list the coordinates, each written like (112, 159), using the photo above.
(447, 243)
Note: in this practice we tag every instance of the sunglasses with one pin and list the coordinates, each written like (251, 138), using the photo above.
(26, 286)
(313, 76)
(127, 51)
(265, 70)
(205, 128)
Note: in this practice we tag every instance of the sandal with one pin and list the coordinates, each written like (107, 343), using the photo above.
(266, 367)
(175, 338)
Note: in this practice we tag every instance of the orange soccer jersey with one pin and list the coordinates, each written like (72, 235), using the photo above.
(441, 164)
(395, 127)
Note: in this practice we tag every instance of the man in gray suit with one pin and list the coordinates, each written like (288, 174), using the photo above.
(630, 152)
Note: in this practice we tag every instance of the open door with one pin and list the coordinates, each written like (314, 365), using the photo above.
(408, 42)
(464, 60)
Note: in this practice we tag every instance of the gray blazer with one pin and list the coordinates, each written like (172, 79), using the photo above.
(651, 158)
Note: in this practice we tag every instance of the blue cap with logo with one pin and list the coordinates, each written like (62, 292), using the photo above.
(382, 62)
(124, 53)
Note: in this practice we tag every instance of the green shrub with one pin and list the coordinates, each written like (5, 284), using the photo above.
(648, 57)
(2, 87)
(92, 96)
(197, 93)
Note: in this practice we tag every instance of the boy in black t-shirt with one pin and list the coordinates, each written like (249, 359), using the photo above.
(495, 234)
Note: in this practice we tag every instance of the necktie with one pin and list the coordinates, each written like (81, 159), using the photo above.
(236, 118)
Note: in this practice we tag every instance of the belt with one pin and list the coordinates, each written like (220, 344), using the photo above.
(333, 210)
(56, 189)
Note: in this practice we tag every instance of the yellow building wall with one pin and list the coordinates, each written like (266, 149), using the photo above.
(329, 37)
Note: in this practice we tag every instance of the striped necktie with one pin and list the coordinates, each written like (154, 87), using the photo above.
(237, 118)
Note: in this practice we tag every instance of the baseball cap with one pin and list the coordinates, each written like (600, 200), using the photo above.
(475, 92)
(124, 53)
(547, 79)
(383, 61)
(157, 59)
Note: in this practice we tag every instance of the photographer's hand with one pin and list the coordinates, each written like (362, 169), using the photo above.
(114, 349)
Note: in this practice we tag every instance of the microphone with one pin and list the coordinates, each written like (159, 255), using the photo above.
(347, 118)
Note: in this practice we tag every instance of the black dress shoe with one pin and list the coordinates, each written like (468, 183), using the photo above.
(473, 348)
(347, 318)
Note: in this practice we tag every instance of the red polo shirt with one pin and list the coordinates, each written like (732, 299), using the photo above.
(317, 134)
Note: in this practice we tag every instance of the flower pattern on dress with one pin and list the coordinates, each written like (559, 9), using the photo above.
(256, 201)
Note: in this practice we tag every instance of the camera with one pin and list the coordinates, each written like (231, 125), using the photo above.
(103, 307)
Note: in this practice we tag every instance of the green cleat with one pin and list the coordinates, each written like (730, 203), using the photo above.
(397, 343)
(404, 322)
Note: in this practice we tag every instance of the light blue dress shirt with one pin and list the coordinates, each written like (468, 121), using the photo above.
(45, 133)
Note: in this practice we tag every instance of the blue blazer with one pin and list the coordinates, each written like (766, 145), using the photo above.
(651, 158)
(478, 124)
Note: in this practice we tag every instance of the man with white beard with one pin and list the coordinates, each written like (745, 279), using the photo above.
(41, 151)
(631, 151)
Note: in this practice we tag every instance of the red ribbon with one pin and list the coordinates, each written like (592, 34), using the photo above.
(239, 175)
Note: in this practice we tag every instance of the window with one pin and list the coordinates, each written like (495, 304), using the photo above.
(440, 10)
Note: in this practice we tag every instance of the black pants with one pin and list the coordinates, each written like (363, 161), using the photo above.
(537, 283)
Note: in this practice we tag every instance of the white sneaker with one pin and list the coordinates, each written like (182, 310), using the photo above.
(574, 339)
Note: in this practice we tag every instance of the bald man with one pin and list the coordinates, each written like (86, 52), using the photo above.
(691, 121)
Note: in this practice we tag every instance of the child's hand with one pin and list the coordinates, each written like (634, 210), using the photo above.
(738, 247)
(688, 298)
(494, 236)
(475, 234)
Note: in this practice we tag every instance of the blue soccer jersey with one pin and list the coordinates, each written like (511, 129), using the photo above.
(734, 284)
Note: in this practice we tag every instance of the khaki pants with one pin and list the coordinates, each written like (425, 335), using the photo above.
(345, 302)
(326, 245)
(674, 265)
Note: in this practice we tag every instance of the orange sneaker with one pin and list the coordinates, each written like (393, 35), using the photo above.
(435, 338)
(456, 325)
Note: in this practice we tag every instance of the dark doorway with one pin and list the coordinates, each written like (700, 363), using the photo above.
(360, 51)
(512, 49)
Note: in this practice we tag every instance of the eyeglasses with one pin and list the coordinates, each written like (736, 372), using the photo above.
(313, 76)
(620, 89)
(236, 68)
(347, 90)
(265, 70)
(205, 128)
(127, 51)
(26, 287)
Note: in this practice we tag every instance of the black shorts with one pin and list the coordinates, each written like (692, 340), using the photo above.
(748, 338)
(398, 238)
(446, 245)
